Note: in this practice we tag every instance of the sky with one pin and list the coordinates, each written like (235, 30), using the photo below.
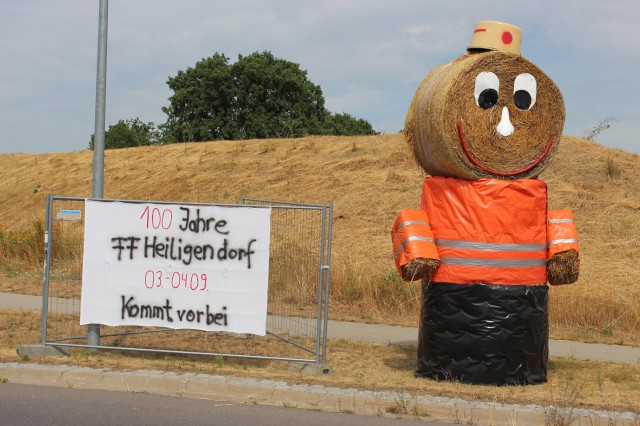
(368, 56)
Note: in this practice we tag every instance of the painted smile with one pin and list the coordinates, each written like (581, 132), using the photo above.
(496, 172)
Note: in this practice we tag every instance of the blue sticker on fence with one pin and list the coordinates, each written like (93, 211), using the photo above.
(69, 215)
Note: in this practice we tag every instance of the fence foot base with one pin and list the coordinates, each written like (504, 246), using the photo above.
(310, 368)
(236, 335)
(39, 351)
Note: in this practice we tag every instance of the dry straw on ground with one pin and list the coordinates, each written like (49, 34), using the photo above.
(572, 383)
(369, 179)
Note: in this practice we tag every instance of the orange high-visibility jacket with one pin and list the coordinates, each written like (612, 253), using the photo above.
(484, 231)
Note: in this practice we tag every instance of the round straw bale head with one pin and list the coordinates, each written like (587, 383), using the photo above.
(452, 135)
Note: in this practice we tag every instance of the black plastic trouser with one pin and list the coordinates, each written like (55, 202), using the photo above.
(484, 334)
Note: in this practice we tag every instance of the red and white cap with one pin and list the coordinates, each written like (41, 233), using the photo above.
(493, 35)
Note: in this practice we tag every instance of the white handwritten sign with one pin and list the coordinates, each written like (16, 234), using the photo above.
(176, 266)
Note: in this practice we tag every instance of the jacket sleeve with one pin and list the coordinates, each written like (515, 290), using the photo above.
(412, 238)
(561, 232)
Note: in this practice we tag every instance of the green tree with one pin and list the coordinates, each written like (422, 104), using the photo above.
(274, 98)
(201, 105)
(259, 96)
(129, 133)
(346, 125)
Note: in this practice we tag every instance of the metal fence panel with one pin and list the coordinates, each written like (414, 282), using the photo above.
(299, 276)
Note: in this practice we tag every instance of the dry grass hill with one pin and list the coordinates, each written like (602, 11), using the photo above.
(369, 179)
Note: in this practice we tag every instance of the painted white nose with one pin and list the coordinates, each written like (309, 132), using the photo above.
(505, 128)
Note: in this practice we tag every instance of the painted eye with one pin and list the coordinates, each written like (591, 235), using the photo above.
(486, 90)
(524, 91)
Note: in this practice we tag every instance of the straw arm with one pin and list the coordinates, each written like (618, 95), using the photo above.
(563, 268)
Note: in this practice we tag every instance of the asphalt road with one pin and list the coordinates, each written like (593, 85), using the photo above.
(43, 405)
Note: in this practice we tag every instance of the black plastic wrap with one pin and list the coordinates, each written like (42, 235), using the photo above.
(484, 334)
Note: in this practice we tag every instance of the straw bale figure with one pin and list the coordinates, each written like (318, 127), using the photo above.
(483, 242)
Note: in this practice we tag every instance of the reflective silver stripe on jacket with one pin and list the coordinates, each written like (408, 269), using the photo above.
(409, 239)
(506, 263)
(563, 241)
(411, 222)
(473, 245)
(561, 221)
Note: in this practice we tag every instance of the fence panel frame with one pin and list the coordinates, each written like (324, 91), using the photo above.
(323, 281)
